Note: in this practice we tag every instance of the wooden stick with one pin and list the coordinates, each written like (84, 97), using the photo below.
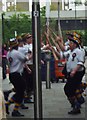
(53, 51)
(56, 44)
(55, 34)
(52, 31)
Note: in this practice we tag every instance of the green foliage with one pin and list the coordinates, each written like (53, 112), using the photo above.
(20, 23)
(43, 11)
(42, 18)
(85, 37)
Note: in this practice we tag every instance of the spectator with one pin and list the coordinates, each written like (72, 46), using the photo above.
(4, 60)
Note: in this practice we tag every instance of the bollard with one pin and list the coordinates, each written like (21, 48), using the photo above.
(48, 57)
(48, 84)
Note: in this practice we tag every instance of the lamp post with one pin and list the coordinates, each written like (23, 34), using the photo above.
(36, 60)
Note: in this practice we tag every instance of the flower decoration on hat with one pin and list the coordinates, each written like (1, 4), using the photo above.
(13, 42)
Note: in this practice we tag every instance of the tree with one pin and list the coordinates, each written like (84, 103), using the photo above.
(85, 37)
(17, 22)
(21, 23)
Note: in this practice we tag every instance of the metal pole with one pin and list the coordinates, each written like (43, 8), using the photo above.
(47, 64)
(3, 26)
(36, 60)
(58, 15)
(48, 84)
(75, 15)
(15, 5)
(59, 27)
(48, 61)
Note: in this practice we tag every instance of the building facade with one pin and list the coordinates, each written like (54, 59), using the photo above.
(0, 5)
(15, 5)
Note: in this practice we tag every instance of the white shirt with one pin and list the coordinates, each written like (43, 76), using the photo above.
(23, 50)
(74, 58)
(16, 61)
(83, 52)
(29, 47)
(66, 47)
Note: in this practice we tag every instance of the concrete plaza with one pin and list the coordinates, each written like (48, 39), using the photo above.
(54, 102)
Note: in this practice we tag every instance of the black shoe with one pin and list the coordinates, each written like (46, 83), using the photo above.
(74, 112)
(17, 114)
(23, 106)
(7, 108)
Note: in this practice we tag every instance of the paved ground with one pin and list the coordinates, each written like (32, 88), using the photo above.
(55, 103)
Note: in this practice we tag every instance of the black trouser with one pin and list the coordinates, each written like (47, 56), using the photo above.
(4, 62)
(19, 84)
(29, 79)
(72, 84)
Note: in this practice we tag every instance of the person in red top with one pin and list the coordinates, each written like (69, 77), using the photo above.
(4, 60)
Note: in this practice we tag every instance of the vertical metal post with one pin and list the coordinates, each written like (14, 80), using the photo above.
(59, 27)
(36, 60)
(58, 16)
(15, 5)
(75, 14)
(3, 27)
(47, 64)
(48, 86)
(1, 44)
(75, 10)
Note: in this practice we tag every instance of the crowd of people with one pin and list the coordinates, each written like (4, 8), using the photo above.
(20, 62)
(74, 69)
